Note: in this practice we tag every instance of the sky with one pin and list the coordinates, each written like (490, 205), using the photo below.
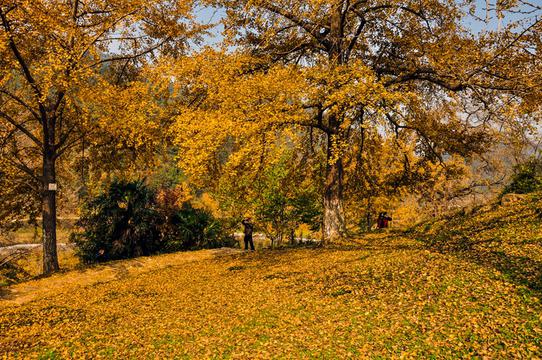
(210, 15)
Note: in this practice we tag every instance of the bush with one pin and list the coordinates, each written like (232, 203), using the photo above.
(185, 227)
(192, 228)
(527, 178)
(130, 220)
(121, 223)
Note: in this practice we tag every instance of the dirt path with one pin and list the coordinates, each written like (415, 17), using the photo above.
(68, 281)
(19, 247)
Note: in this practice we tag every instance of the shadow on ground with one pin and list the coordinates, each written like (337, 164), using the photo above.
(505, 238)
(520, 269)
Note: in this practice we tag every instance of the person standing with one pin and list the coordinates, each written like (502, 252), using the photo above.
(386, 220)
(379, 221)
(383, 221)
(249, 228)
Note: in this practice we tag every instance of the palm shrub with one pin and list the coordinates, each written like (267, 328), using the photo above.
(121, 223)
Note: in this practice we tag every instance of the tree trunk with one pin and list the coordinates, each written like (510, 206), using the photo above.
(334, 224)
(50, 258)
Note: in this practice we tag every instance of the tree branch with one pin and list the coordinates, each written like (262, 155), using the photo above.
(21, 102)
(311, 29)
(22, 63)
(21, 129)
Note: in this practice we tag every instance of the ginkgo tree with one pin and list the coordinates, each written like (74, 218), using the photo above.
(53, 57)
(331, 68)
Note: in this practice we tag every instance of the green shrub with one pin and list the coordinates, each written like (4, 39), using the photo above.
(186, 227)
(130, 220)
(121, 223)
(284, 202)
(191, 228)
(527, 178)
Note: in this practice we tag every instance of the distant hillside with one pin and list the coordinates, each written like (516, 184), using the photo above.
(506, 236)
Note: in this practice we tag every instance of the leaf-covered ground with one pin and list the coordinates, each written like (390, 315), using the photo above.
(387, 296)
(507, 238)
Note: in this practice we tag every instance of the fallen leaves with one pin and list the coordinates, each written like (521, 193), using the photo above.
(389, 298)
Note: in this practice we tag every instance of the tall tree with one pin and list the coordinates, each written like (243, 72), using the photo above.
(427, 76)
(52, 53)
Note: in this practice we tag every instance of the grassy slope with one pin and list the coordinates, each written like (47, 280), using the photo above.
(387, 296)
(506, 238)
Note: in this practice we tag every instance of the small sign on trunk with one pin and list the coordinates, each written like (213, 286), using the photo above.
(52, 187)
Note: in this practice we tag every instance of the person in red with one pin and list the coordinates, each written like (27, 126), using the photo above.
(383, 221)
(379, 224)
(386, 220)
